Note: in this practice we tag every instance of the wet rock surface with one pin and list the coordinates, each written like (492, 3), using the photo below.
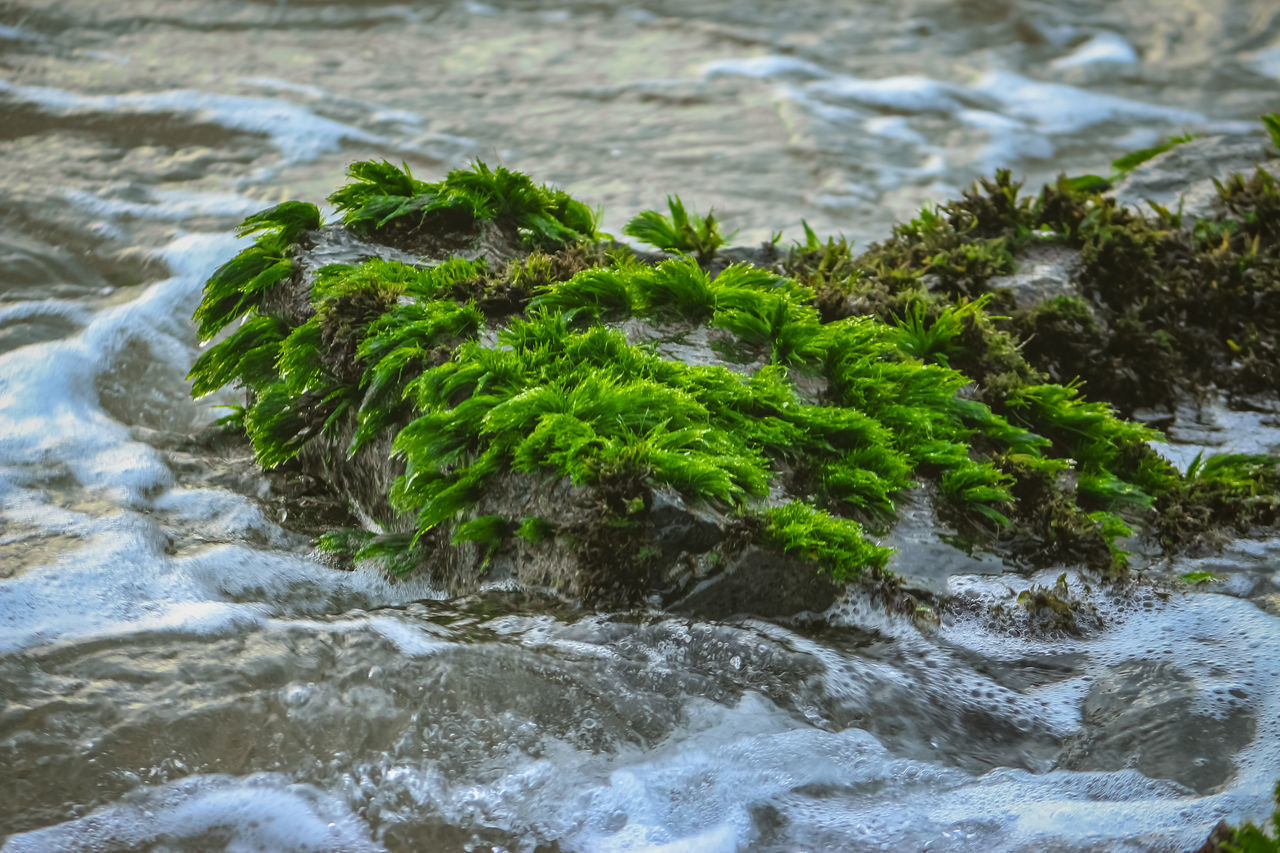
(1044, 272)
(1182, 178)
(1147, 716)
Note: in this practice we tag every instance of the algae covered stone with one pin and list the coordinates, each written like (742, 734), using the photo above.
(503, 395)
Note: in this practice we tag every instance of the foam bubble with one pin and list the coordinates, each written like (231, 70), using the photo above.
(894, 127)
(1267, 62)
(908, 93)
(165, 204)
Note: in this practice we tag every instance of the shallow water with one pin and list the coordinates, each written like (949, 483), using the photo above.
(177, 671)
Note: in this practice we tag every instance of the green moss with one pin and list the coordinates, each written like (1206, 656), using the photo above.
(1122, 166)
(679, 232)
(486, 530)
(381, 196)
(1271, 121)
(1167, 307)
(1218, 493)
(535, 530)
(237, 287)
(835, 543)
(761, 309)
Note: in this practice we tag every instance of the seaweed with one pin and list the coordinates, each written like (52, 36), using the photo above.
(238, 286)
(817, 536)
(1123, 165)
(1248, 837)
(381, 195)
(679, 232)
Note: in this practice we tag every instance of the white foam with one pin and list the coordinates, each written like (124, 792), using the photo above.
(49, 412)
(412, 640)
(1011, 139)
(1103, 49)
(894, 127)
(173, 205)
(1219, 641)
(907, 93)
(275, 84)
(17, 34)
(264, 812)
(1057, 108)
(994, 122)
(64, 309)
(763, 67)
(224, 515)
(298, 133)
(123, 578)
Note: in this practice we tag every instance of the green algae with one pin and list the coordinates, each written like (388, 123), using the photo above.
(239, 285)
(681, 232)
(819, 537)
(384, 200)
(471, 374)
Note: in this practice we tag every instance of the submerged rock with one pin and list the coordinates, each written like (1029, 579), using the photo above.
(1147, 716)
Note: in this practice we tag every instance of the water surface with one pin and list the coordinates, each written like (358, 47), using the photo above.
(178, 671)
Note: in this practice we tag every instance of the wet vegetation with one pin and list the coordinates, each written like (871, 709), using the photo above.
(1160, 308)
(680, 232)
(826, 387)
(385, 201)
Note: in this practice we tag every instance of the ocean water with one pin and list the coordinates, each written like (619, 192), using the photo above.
(178, 671)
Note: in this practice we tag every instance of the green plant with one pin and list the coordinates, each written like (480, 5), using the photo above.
(837, 545)
(237, 286)
(474, 373)
(1122, 166)
(680, 232)
(485, 529)
(1113, 528)
(938, 339)
(1271, 121)
(381, 194)
(535, 530)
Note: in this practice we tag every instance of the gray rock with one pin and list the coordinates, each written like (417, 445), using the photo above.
(755, 582)
(924, 558)
(1044, 272)
(1185, 173)
(677, 528)
(1146, 716)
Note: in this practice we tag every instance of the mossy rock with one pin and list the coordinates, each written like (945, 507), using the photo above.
(507, 397)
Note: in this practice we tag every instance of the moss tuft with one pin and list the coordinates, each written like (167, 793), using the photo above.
(381, 196)
(679, 232)
(837, 544)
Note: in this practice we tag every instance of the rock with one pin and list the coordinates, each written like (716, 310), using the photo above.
(1044, 272)
(924, 558)
(1143, 715)
(676, 527)
(1185, 173)
(621, 428)
(756, 582)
